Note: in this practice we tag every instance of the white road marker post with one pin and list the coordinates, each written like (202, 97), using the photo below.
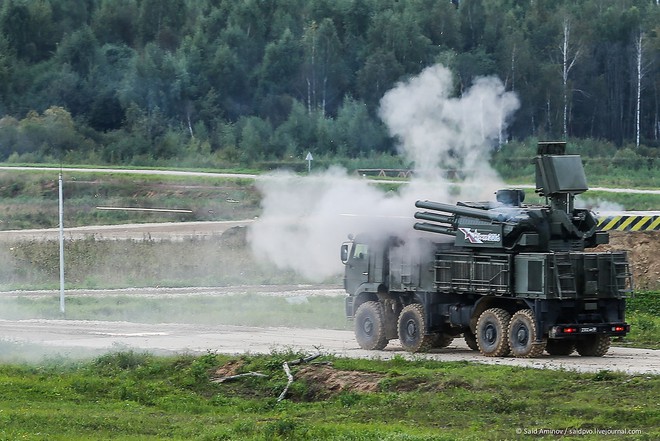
(62, 310)
(309, 160)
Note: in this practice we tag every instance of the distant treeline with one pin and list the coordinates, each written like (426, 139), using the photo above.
(226, 82)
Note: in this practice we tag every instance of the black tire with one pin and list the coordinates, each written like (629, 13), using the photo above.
(522, 335)
(560, 347)
(471, 340)
(442, 340)
(369, 326)
(593, 345)
(412, 329)
(492, 329)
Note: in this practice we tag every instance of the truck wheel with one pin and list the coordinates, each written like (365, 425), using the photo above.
(560, 347)
(412, 329)
(442, 340)
(369, 326)
(593, 345)
(523, 334)
(491, 332)
(471, 340)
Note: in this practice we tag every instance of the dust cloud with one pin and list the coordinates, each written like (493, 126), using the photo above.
(599, 206)
(305, 219)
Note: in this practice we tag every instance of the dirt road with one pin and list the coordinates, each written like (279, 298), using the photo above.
(93, 337)
(152, 231)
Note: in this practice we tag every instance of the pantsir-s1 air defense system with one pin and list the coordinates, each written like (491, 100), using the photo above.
(509, 277)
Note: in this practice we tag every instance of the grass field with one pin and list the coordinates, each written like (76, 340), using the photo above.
(136, 396)
(29, 199)
(90, 263)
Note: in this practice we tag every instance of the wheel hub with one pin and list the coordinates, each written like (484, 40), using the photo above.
(522, 335)
(490, 334)
(411, 328)
(368, 327)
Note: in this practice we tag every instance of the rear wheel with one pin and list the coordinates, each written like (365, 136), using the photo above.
(369, 326)
(471, 340)
(492, 332)
(412, 329)
(593, 345)
(560, 347)
(442, 340)
(523, 334)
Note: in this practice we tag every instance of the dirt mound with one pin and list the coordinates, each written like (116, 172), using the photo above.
(324, 381)
(227, 370)
(643, 248)
(234, 238)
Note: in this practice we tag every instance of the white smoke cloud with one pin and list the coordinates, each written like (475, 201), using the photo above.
(437, 131)
(598, 206)
(305, 219)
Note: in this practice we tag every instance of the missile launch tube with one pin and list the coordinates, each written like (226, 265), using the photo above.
(440, 218)
(459, 210)
(431, 228)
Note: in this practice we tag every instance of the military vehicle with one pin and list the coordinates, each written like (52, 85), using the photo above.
(510, 278)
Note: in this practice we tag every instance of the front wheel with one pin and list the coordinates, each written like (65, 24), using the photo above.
(523, 334)
(369, 326)
(492, 329)
(412, 329)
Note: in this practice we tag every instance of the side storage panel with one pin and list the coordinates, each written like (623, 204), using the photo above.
(572, 275)
(473, 273)
(531, 275)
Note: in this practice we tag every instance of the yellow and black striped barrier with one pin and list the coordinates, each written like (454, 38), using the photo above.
(629, 221)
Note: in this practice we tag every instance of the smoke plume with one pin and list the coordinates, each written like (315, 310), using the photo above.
(305, 219)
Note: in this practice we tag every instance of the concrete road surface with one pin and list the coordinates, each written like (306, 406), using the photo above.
(95, 336)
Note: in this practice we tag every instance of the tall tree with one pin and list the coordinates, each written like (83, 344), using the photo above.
(322, 63)
(569, 55)
(639, 49)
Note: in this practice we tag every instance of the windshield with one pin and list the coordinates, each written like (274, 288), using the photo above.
(360, 251)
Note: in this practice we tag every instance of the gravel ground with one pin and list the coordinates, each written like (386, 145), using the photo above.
(92, 337)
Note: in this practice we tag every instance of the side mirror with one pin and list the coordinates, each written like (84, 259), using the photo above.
(344, 253)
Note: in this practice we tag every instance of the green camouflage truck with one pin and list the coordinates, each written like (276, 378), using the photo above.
(510, 278)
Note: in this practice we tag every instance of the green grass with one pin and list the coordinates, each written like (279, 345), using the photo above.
(90, 263)
(600, 200)
(325, 312)
(29, 199)
(130, 396)
(643, 314)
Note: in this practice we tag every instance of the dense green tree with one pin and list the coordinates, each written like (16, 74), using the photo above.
(277, 74)
(29, 28)
(380, 72)
(255, 134)
(324, 72)
(265, 80)
(161, 21)
(79, 50)
(115, 21)
(355, 133)
(7, 61)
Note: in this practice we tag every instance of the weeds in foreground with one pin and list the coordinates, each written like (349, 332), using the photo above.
(132, 395)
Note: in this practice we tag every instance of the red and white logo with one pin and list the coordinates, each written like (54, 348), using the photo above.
(474, 236)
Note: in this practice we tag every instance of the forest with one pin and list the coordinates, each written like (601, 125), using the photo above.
(226, 83)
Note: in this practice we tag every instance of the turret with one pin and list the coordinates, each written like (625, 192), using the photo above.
(510, 225)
